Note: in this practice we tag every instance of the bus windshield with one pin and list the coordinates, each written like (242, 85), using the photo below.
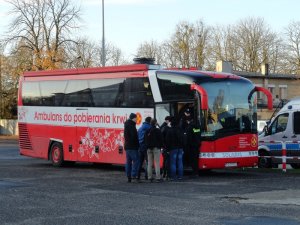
(231, 107)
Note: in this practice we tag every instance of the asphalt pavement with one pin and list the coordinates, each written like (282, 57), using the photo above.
(33, 192)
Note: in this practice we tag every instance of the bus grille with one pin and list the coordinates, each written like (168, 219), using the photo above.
(24, 137)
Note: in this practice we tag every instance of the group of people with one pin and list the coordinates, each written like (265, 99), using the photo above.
(172, 139)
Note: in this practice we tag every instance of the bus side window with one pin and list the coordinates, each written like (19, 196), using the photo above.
(137, 93)
(31, 94)
(77, 94)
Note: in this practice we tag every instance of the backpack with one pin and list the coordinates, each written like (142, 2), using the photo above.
(150, 138)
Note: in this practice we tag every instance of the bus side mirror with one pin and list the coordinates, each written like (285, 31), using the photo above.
(266, 130)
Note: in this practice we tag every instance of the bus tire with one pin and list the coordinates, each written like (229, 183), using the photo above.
(295, 165)
(264, 162)
(57, 154)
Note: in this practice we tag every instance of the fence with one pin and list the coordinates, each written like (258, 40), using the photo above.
(284, 157)
(9, 127)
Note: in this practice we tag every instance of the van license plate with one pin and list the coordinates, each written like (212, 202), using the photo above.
(230, 164)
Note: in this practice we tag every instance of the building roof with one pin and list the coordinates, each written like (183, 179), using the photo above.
(269, 76)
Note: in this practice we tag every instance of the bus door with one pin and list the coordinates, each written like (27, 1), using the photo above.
(162, 110)
(83, 136)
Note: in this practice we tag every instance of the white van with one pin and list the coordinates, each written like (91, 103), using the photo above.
(285, 126)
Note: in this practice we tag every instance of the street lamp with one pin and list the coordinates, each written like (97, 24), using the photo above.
(103, 40)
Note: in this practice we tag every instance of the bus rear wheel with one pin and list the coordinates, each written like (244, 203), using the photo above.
(56, 154)
(264, 162)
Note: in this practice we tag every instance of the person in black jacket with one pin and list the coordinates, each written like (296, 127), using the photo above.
(153, 141)
(174, 142)
(166, 152)
(193, 143)
(131, 147)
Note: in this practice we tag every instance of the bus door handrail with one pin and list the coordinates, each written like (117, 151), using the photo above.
(268, 94)
(203, 94)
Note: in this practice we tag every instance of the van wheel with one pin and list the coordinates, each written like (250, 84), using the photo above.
(295, 165)
(57, 154)
(262, 161)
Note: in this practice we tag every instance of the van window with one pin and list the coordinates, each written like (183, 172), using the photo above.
(279, 124)
(296, 122)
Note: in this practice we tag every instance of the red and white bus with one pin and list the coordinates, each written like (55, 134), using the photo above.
(78, 115)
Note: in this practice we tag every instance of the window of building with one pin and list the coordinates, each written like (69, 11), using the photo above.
(283, 91)
(271, 88)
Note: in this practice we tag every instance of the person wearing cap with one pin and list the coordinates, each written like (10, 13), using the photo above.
(183, 121)
(131, 146)
(193, 142)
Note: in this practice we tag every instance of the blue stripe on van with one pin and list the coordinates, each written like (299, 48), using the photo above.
(278, 147)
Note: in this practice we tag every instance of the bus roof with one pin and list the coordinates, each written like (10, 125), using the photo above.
(129, 68)
(93, 70)
(193, 72)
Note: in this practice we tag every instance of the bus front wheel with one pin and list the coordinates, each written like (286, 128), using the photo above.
(56, 154)
(263, 160)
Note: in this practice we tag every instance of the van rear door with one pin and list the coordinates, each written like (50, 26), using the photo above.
(294, 148)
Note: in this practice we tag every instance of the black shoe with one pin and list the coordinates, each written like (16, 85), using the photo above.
(146, 177)
(129, 180)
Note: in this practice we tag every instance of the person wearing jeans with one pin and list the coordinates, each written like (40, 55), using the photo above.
(176, 164)
(143, 148)
(131, 146)
(132, 163)
(174, 142)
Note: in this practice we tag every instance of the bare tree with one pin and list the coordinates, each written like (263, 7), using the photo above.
(247, 44)
(81, 54)
(224, 46)
(44, 27)
(187, 47)
(292, 32)
(253, 37)
(200, 44)
(151, 49)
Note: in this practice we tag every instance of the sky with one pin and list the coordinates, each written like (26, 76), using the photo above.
(128, 23)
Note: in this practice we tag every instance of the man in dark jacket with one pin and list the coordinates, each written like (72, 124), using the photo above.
(174, 142)
(153, 140)
(193, 145)
(166, 162)
(131, 147)
(143, 149)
